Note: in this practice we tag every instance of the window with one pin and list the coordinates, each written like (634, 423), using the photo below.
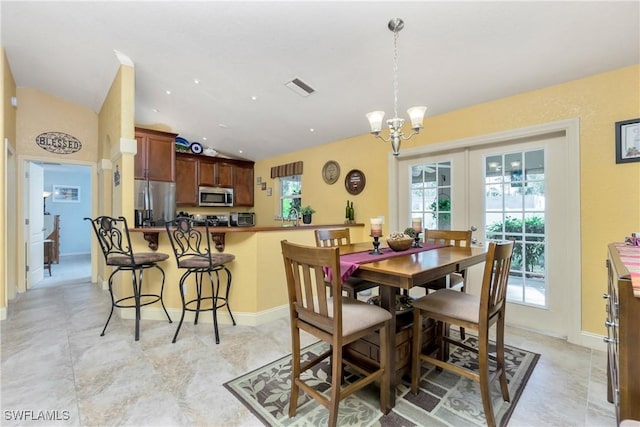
(290, 194)
(431, 194)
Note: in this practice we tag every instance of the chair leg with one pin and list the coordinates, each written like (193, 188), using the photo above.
(184, 305)
(504, 386)
(336, 375)
(227, 295)
(462, 334)
(485, 386)
(162, 293)
(385, 381)
(295, 368)
(416, 350)
(199, 295)
(113, 302)
(137, 288)
(214, 307)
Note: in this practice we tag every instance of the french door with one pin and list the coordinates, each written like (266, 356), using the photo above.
(516, 190)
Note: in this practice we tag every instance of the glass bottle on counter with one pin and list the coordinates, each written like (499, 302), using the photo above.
(352, 213)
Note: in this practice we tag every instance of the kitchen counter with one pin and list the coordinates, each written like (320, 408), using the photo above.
(151, 234)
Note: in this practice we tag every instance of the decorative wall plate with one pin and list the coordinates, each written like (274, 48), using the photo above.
(196, 148)
(331, 172)
(355, 181)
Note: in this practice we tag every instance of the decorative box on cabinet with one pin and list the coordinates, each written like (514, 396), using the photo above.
(623, 340)
(155, 159)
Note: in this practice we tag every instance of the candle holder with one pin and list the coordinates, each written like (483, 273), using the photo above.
(376, 246)
(416, 239)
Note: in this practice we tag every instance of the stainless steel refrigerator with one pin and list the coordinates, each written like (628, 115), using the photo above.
(155, 202)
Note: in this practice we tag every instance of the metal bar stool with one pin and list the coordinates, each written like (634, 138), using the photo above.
(115, 242)
(193, 253)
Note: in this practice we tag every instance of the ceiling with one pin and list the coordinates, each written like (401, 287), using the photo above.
(451, 55)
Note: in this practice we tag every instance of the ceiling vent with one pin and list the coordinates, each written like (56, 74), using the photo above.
(300, 87)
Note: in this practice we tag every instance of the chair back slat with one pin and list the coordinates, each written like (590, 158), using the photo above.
(188, 239)
(495, 280)
(305, 273)
(332, 237)
(449, 237)
(113, 236)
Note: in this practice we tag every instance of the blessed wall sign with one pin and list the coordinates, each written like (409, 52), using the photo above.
(58, 142)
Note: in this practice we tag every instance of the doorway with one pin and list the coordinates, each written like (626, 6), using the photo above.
(466, 191)
(63, 200)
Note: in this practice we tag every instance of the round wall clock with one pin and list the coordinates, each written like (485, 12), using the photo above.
(331, 172)
(355, 181)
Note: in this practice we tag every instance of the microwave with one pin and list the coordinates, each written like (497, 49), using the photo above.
(215, 196)
(242, 219)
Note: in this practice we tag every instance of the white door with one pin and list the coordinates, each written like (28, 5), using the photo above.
(518, 191)
(35, 228)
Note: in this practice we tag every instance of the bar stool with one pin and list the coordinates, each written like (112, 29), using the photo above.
(193, 253)
(115, 242)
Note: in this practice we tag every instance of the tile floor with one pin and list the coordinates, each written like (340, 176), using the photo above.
(53, 359)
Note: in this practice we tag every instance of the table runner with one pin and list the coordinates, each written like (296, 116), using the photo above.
(350, 262)
(630, 258)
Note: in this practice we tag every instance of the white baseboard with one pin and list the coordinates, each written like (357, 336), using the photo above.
(593, 341)
(245, 319)
(3, 313)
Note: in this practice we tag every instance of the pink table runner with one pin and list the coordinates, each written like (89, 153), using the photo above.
(630, 257)
(350, 262)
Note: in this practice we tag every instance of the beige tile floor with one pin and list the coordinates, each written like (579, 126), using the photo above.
(53, 359)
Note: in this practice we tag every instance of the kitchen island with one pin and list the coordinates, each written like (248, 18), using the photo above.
(258, 290)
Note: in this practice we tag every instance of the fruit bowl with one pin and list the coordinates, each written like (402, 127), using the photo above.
(400, 244)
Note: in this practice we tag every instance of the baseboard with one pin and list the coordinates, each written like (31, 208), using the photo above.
(75, 254)
(3, 313)
(245, 319)
(593, 341)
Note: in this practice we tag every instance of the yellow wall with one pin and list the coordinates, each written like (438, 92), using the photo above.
(610, 193)
(8, 270)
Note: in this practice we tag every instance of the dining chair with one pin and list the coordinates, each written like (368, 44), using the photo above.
(192, 250)
(336, 320)
(338, 237)
(115, 242)
(458, 238)
(478, 313)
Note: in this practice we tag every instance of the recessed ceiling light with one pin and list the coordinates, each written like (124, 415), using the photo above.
(168, 92)
(253, 98)
(204, 138)
(312, 130)
(155, 110)
(196, 81)
(223, 126)
(240, 151)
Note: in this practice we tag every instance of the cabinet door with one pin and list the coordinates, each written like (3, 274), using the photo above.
(161, 158)
(140, 159)
(207, 173)
(224, 174)
(243, 188)
(186, 181)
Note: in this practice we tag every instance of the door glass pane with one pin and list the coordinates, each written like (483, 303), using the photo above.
(515, 210)
(431, 194)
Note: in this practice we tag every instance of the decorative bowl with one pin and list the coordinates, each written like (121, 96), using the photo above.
(399, 244)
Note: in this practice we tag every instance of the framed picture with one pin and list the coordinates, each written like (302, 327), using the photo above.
(628, 141)
(66, 194)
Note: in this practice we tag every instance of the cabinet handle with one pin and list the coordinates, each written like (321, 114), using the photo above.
(606, 296)
(609, 340)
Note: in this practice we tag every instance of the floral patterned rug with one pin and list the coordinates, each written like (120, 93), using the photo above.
(444, 398)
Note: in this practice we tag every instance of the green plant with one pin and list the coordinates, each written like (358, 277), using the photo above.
(443, 210)
(512, 230)
(410, 232)
(307, 210)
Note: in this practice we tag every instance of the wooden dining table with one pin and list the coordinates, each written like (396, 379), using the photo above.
(407, 271)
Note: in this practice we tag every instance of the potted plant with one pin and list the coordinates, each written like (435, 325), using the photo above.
(306, 213)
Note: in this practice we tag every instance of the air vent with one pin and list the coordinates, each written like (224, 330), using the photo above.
(300, 87)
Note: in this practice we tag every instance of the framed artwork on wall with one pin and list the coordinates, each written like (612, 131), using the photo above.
(628, 141)
(66, 194)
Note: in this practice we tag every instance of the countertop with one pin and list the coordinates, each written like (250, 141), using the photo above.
(252, 229)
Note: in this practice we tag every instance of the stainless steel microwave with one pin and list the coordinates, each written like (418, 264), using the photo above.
(215, 196)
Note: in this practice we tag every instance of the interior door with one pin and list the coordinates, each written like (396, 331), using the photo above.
(518, 191)
(35, 227)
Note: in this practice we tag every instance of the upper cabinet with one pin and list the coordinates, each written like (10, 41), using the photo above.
(193, 171)
(156, 155)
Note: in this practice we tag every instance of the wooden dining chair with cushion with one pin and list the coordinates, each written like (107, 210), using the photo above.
(337, 321)
(338, 237)
(115, 242)
(474, 312)
(459, 238)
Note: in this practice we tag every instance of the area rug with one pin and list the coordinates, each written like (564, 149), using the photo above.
(444, 398)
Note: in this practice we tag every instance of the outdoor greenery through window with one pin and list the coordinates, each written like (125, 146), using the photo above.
(431, 194)
(290, 195)
(515, 210)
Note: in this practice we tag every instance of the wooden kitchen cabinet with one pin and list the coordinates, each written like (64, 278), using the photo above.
(216, 173)
(243, 185)
(186, 181)
(155, 159)
(193, 171)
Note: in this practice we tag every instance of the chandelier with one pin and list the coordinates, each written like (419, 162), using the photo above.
(416, 114)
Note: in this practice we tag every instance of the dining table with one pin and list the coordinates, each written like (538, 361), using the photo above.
(404, 270)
